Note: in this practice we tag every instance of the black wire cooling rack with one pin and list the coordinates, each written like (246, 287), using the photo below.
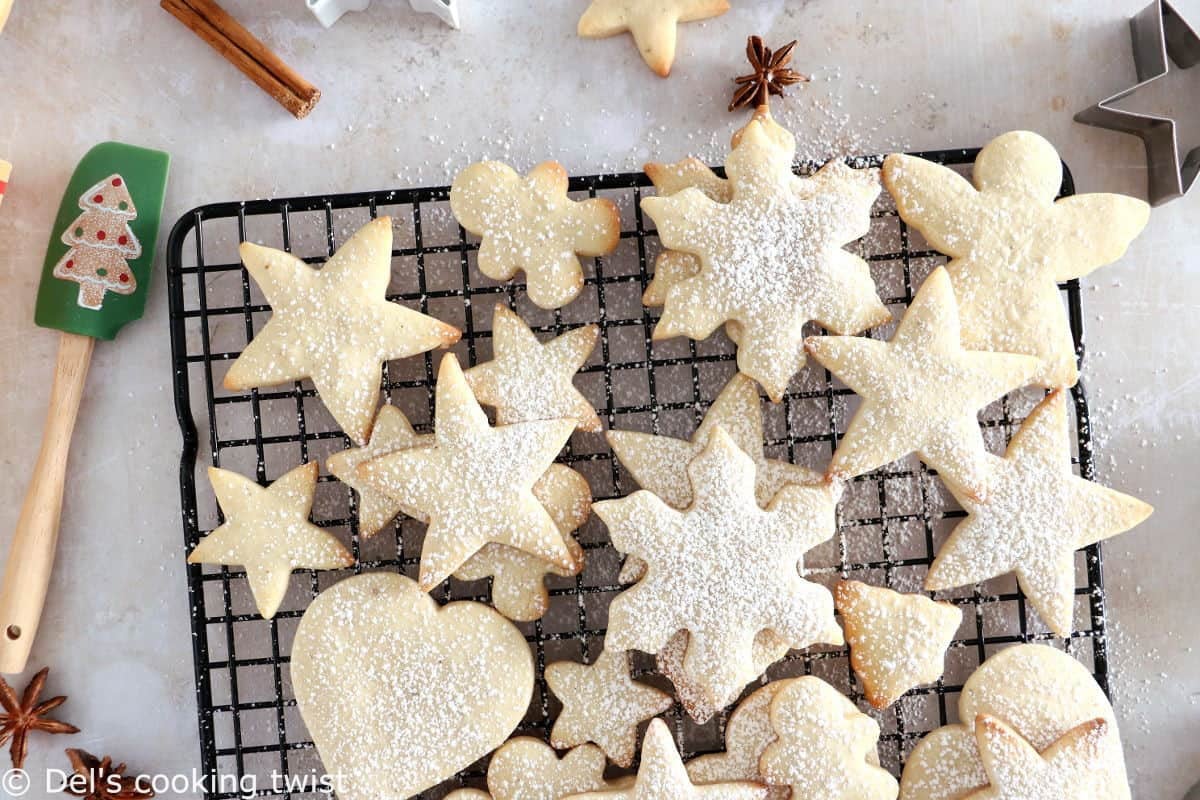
(890, 521)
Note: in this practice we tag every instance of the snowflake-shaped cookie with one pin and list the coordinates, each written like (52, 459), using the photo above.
(771, 258)
(724, 569)
(1011, 244)
(530, 223)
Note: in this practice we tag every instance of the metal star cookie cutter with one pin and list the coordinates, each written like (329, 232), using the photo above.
(1160, 36)
(330, 11)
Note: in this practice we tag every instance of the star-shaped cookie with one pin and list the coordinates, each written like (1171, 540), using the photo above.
(475, 484)
(724, 569)
(602, 704)
(334, 325)
(267, 531)
(897, 641)
(921, 392)
(771, 258)
(527, 380)
(1010, 243)
(651, 22)
(531, 224)
(1036, 515)
(662, 776)
(1073, 768)
(825, 747)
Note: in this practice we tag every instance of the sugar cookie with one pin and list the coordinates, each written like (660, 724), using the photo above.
(530, 223)
(747, 735)
(528, 769)
(823, 746)
(1036, 515)
(1011, 244)
(772, 257)
(897, 641)
(602, 704)
(691, 689)
(382, 673)
(662, 776)
(267, 531)
(652, 24)
(334, 325)
(1039, 691)
(920, 392)
(1074, 767)
(527, 380)
(724, 569)
(468, 794)
(671, 266)
(475, 483)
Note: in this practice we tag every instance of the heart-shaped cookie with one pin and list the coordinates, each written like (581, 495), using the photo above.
(400, 693)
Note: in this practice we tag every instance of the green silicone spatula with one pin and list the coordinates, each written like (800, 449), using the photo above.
(94, 281)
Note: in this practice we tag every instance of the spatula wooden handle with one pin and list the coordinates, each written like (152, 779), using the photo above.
(27, 573)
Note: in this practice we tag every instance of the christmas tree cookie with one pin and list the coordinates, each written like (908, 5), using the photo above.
(771, 258)
(1036, 515)
(267, 531)
(1011, 243)
(757, 586)
(101, 244)
(334, 325)
(921, 391)
(475, 483)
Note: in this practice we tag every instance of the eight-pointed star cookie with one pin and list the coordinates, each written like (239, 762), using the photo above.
(267, 531)
(1076, 767)
(897, 641)
(527, 380)
(662, 776)
(651, 22)
(475, 484)
(334, 325)
(602, 704)
(724, 569)
(825, 747)
(1036, 515)
(1010, 243)
(920, 392)
(772, 258)
(530, 223)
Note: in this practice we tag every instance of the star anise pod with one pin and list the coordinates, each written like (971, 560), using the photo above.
(771, 74)
(24, 715)
(97, 779)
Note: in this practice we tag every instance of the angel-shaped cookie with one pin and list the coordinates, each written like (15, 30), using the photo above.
(724, 569)
(771, 258)
(1011, 243)
(529, 223)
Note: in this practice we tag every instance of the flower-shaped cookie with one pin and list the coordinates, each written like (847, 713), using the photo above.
(1036, 515)
(1039, 692)
(530, 223)
(724, 569)
(651, 24)
(1011, 244)
(771, 258)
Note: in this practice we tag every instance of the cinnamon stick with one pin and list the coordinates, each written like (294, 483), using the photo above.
(246, 52)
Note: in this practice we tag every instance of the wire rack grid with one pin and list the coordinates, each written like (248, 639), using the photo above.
(891, 521)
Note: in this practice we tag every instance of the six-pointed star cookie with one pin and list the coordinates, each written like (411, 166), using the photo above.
(1036, 515)
(531, 224)
(527, 380)
(602, 704)
(1010, 243)
(334, 325)
(267, 531)
(772, 258)
(897, 641)
(652, 23)
(1075, 767)
(662, 776)
(920, 392)
(724, 569)
(475, 483)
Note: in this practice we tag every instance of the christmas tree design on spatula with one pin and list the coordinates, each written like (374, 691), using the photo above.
(101, 244)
